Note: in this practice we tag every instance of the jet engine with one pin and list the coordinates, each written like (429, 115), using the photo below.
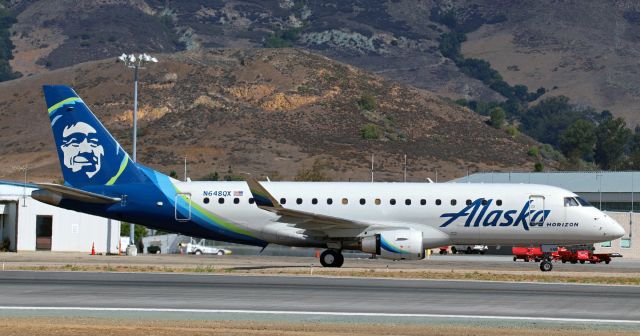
(395, 244)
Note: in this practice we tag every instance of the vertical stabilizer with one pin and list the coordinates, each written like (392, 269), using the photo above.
(88, 154)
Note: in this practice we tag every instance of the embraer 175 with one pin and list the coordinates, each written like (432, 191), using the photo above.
(391, 220)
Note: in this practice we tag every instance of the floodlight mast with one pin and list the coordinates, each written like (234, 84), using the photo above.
(135, 63)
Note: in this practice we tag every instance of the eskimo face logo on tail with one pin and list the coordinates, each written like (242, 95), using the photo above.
(477, 214)
(81, 148)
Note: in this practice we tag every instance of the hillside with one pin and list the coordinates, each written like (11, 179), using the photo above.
(267, 111)
(587, 50)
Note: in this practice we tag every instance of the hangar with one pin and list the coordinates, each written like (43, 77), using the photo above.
(616, 193)
(29, 225)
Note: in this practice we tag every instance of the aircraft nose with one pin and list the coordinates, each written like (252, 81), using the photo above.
(614, 229)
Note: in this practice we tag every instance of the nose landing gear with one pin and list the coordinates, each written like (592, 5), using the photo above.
(546, 265)
(331, 258)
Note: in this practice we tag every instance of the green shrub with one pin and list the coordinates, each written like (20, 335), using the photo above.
(367, 102)
(371, 132)
(533, 151)
(538, 167)
(497, 117)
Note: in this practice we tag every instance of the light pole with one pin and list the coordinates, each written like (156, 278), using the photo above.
(135, 63)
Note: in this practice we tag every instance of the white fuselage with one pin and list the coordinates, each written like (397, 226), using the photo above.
(511, 214)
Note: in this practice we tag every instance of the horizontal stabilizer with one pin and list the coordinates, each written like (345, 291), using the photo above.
(51, 193)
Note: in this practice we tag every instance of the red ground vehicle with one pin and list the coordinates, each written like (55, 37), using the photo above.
(563, 254)
(583, 256)
(526, 253)
(444, 249)
(529, 254)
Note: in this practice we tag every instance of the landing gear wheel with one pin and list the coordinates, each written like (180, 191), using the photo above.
(331, 258)
(546, 266)
(469, 250)
(454, 250)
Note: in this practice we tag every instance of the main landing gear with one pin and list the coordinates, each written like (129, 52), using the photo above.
(331, 258)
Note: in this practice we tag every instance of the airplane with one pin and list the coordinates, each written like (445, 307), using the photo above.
(397, 221)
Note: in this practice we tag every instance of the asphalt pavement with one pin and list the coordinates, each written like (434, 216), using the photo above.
(138, 293)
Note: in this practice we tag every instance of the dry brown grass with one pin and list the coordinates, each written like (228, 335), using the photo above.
(511, 276)
(99, 326)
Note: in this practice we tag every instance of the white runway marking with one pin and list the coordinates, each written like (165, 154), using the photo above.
(284, 312)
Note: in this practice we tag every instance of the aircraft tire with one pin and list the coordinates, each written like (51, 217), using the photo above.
(331, 258)
(546, 266)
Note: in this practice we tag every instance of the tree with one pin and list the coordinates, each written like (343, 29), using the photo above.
(612, 135)
(311, 175)
(139, 231)
(578, 140)
(497, 116)
(211, 177)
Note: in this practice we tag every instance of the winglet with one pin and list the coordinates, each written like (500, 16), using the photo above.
(261, 196)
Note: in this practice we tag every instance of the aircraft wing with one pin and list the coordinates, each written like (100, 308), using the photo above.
(55, 192)
(301, 219)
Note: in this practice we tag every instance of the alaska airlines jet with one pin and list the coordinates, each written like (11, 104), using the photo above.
(390, 220)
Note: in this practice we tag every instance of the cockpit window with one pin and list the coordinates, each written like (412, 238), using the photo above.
(583, 202)
(570, 201)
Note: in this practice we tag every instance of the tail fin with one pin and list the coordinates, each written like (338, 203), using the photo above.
(88, 154)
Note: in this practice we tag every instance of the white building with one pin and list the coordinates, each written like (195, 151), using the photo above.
(30, 225)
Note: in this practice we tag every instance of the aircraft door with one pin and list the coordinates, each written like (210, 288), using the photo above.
(182, 207)
(536, 210)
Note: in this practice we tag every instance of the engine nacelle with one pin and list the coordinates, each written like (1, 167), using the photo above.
(395, 244)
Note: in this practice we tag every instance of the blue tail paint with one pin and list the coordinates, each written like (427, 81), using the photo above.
(88, 154)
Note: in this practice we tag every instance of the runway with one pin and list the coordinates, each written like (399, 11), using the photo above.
(74, 293)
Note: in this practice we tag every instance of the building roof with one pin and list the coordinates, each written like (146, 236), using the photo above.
(579, 182)
(17, 184)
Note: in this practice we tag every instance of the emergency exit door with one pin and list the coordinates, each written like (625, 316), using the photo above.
(182, 207)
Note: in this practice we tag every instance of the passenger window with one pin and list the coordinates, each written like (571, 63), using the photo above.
(236, 200)
(345, 201)
(453, 202)
(206, 200)
(329, 201)
(299, 201)
(314, 201)
(484, 201)
(283, 201)
(392, 201)
(377, 201)
(468, 202)
(407, 202)
(423, 202)
(221, 200)
(363, 201)
(499, 202)
(438, 202)
(251, 200)
(570, 201)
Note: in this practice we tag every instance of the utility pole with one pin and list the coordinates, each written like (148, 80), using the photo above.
(371, 168)
(405, 168)
(131, 62)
